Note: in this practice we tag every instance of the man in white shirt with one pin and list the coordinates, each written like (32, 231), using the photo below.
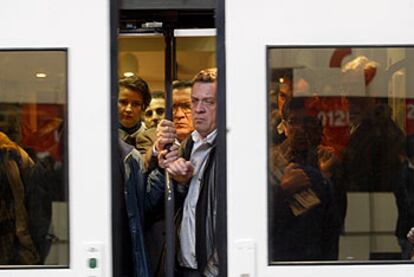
(196, 254)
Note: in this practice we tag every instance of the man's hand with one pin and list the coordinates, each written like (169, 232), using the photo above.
(166, 157)
(327, 160)
(166, 134)
(181, 170)
(294, 179)
(410, 235)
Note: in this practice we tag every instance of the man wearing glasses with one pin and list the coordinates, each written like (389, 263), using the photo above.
(183, 126)
(303, 216)
(147, 143)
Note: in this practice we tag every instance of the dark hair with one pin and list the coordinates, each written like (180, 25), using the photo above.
(137, 84)
(409, 146)
(158, 94)
(294, 103)
(312, 124)
(177, 84)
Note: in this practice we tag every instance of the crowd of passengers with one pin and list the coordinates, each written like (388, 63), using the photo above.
(311, 170)
(185, 147)
(313, 165)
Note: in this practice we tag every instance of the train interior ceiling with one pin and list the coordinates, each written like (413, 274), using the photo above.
(142, 44)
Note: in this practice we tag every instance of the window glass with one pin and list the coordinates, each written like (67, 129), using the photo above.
(33, 158)
(143, 56)
(341, 154)
(194, 54)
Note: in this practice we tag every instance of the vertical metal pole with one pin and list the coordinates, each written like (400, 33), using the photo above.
(116, 174)
(221, 221)
(169, 189)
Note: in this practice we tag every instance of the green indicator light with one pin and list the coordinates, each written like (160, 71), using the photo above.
(93, 263)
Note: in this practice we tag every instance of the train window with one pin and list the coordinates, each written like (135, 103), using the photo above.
(143, 55)
(193, 54)
(33, 158)
(341, 140)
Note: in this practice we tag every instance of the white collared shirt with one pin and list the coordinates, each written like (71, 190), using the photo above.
(199, 156)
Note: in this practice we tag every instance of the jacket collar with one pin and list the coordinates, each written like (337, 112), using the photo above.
(195, 135)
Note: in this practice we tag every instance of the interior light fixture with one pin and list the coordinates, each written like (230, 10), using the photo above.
(281, 80)
(129, 74)
(41, 75)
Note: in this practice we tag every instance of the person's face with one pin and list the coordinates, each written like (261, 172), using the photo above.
(204, 106)
(284, 94)
(303, 131)
(129, 107)
(155, 112)
(182, 117)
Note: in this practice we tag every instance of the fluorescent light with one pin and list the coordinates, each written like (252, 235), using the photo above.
(195, 32)
(129, 74)
(41, 75)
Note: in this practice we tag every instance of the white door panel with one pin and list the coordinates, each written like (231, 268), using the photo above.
(82, 28)
(250, 28)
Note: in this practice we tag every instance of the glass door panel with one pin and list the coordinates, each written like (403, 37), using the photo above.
(195, 50)
(55, 173)
(266, 54)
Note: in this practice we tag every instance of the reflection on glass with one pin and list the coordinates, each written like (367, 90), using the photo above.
(33, 183)
(143, 56)
(341, 177)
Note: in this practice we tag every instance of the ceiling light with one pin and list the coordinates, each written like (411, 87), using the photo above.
(41, 75)
(129, 74)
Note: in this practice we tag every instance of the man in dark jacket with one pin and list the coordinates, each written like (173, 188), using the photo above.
(303, 216)
(183, 124)
(196, 253)
(138, 197)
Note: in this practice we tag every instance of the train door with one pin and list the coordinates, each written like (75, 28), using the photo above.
(166, 48)
(344, 66)
(55, 69)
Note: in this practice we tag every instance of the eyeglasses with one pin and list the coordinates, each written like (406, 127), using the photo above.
(185, 108)
(158, 111)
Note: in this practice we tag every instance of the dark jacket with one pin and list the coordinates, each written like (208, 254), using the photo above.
(142, 195)
(371, 160)
(206, 211)
(144, 143)
(17, 244)
(311, 235)
(404, 197)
